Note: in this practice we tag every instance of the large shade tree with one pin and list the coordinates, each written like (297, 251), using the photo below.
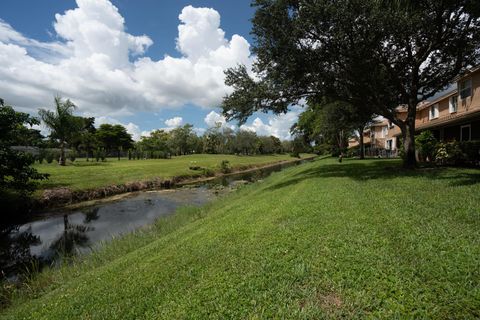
(375, 55)
(63, 125)
(114, 138)
(183, 140)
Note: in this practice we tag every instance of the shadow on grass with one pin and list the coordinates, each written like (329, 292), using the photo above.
(360, 170)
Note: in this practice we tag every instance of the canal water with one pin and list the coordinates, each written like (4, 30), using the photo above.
(52, 236)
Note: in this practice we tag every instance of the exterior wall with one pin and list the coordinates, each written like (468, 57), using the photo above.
(447, 126)
(464, 106)
(474, 100)
(377, 137)
(353, 143)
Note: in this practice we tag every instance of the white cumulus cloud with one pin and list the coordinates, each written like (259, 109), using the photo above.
(174, 122)
(213, 119)
(277, 125)
(103, 68)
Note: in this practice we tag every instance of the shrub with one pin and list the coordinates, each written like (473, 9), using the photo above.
(471, 150)
(441, 156)
(56, 155)
(103, 155)
(322, 149)
(225, 166)
(96, 154)
(427, 146)
(451, 153)
(49, 157)
(208, 172)
(41, 156)
(72, 156)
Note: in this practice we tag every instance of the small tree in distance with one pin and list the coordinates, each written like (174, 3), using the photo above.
(62, 123)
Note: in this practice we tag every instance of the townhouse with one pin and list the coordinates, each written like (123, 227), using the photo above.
(452, 116)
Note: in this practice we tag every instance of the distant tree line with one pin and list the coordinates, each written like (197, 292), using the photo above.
(73, 136)
(217, 140)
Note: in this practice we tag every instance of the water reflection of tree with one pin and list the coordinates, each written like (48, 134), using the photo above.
(15, 253)
(15, 250)
(74, 235)
(91, 215)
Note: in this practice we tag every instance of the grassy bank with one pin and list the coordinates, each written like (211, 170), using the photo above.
(321, 240)
(86, 175)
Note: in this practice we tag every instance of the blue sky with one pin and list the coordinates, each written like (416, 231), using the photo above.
(128, 61)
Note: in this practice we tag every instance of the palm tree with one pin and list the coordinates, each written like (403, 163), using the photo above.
(62, 124)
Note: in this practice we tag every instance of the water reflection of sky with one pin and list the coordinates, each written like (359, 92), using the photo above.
(112, 219)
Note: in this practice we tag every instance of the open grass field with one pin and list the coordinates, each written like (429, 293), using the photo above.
(322, 240)
(84, 175)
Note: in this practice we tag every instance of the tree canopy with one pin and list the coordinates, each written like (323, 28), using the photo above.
(17, 177)
(114, 137)
(375, 55)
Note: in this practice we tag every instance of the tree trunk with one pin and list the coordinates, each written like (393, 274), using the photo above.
(61, 161)
(118, 154)
(408, 134)
(361, 144)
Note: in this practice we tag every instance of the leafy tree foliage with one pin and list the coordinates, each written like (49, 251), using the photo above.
(269, 145)
(183, 140)
(30, 137)
(374, 55)
(218, 139)
(246, 142)
(114, 138)
(17, 177)
(158, 141)
(331, 123)
(86, 139)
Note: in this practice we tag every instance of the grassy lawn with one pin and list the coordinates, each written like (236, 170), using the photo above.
(320, 240)
(84, 175)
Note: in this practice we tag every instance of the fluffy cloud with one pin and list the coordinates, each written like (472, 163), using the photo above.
(278, 126)
(101, 67)
(213, 119)
(174, 122)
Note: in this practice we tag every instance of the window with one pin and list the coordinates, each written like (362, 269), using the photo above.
(465, 89)
(389, 144)
(433, 114)
(384, 131)
(465, 133)
(453, 104)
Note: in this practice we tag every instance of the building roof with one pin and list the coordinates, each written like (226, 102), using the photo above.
(379, 123)
(467, 73)
(427, 104)
(451, 118)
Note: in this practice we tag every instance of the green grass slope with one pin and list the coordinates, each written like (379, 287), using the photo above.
(92, 174)
(320, 240)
